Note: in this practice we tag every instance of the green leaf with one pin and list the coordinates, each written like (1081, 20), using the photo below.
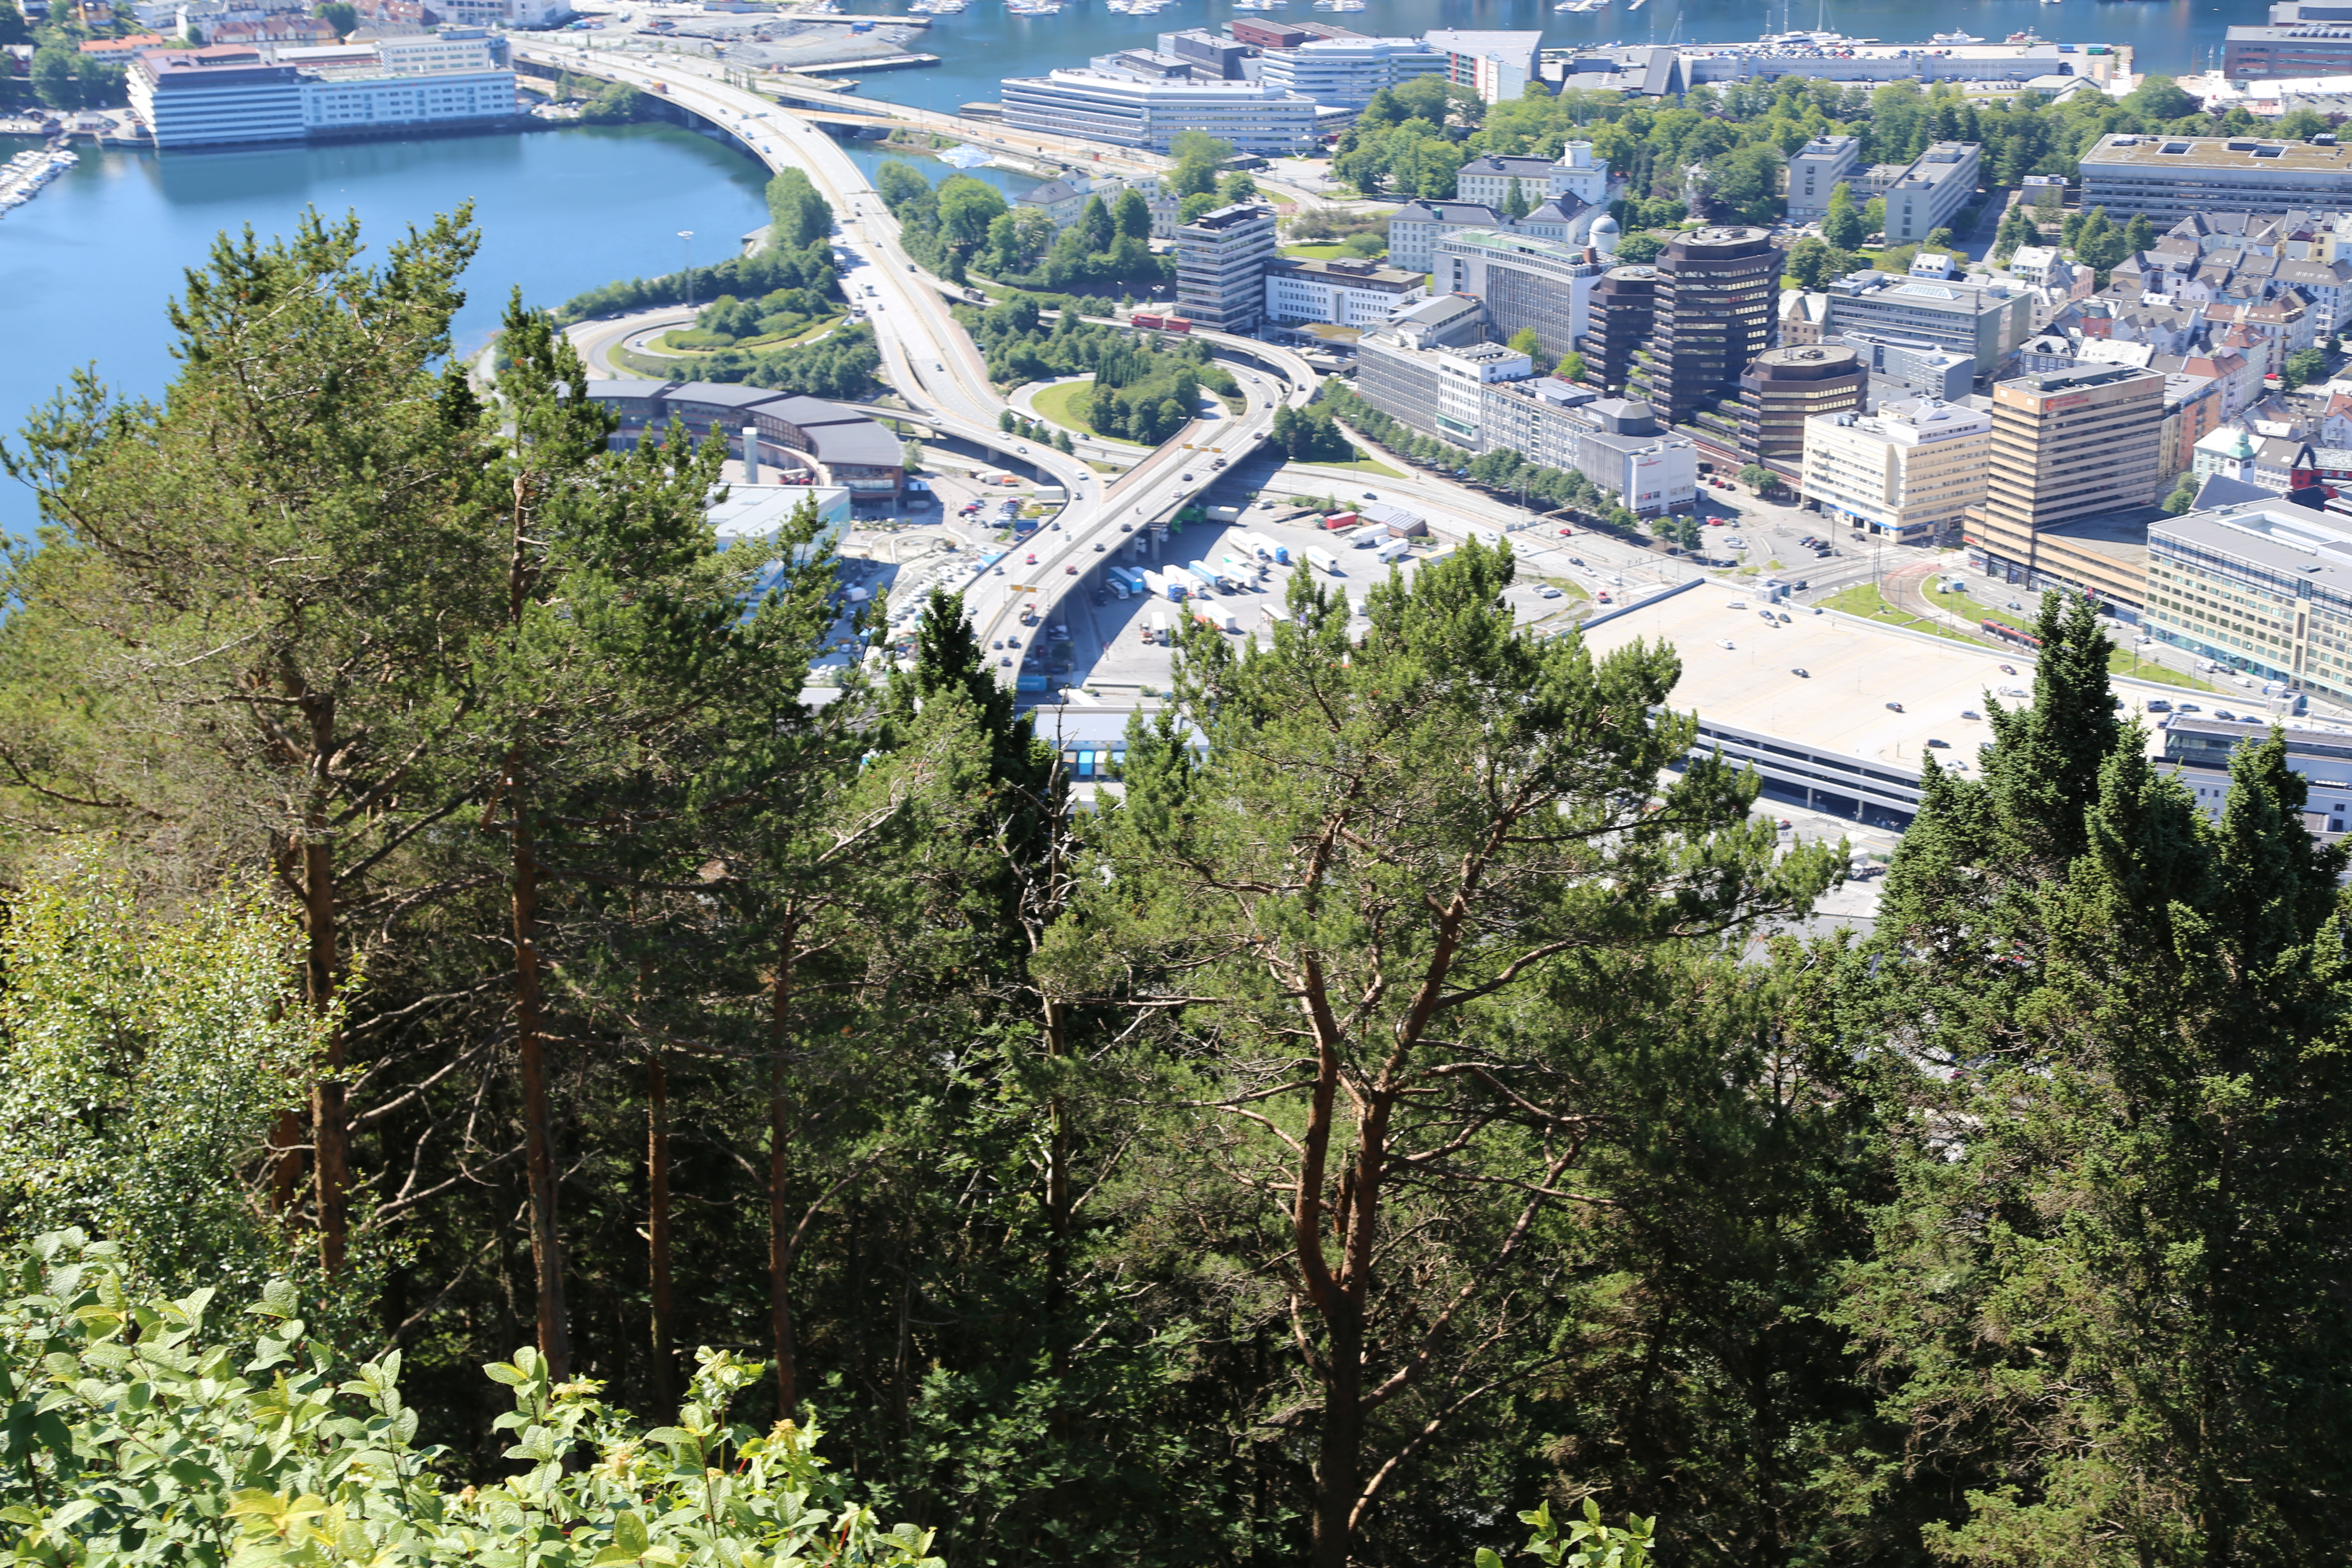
(629, 1531)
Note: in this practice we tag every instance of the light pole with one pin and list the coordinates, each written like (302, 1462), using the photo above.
(686, 252)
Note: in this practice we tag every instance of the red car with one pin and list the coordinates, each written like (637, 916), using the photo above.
(1071, 570)
(1032, 558)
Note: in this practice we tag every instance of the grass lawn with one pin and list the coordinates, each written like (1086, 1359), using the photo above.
(1318, 252)
(1573, 590)
(1362, 466)
(1053, 406)
(1864, 599)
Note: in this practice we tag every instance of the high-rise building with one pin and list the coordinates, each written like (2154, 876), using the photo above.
(1786, 387)
(1618, 318)
(2071, 448)
(1717, 291)
(1908, 474)
(1220, 262)
(1525, 283)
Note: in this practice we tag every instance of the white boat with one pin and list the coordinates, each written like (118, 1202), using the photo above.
(1955, 38)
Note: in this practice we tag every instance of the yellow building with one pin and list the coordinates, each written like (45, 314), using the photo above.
(1907, 473)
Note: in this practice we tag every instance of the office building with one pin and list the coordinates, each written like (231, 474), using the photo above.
(2263, 587)
(215, 97)
(449, 50)
(1344, 73)
(1618, 318)
(1126, 109)
(1906, 368)
(372, 102)
(1497, 67)
(2310, 46)
(1220, 265)
(1785, 388)
(2072, 452)
(2193, 411)
(1984, 320)
(1441, 320)
(1716, 294)
(1817, 169)
(1524, 283)
(1224, 59)
(1345, 292)
(2197, 749)
(1575, 173)
(1908, 474)
(1928, 192)
(2168, 178)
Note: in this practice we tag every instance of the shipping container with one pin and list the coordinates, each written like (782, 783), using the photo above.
(1145, 318)
(1224, 514)
(1175, 324)
(1202, 573)
(1339, 519)
(1323, 560)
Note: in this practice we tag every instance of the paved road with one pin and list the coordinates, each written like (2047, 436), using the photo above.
(934, 365)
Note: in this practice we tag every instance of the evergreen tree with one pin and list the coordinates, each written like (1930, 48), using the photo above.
(1842, 226)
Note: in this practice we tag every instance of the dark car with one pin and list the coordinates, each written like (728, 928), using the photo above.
(1939, 745)
(1801, 674)
(1895, 708)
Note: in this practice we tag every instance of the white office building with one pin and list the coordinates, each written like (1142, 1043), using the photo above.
(355, 103)
(1130, 110)
(1815, 171)
(1487, 179)
(1344, 73)
(215, 97)
(1905, 474)
(1344, 292)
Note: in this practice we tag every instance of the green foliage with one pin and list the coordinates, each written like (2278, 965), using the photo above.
(13, 26)
(2183, 495)
(1757, 478)
(339, 14)
(1310, 435)
(1636, 248)
(617, 103)
(1589, 1543)
(808, 269)
(1527, 342)
(2303, 367)
(1844, 227)
(147, 1059)
(1815, 264)
(1198, 157)
(160, 1437)
(1570, 367)
(798, 216)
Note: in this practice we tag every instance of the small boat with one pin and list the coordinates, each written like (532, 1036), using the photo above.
(1955, 39)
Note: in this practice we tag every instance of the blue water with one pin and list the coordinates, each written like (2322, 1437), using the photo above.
(984, 45)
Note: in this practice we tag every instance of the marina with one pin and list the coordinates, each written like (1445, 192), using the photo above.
(24, 175)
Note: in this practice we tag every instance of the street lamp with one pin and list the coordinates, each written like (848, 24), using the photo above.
(686, 252)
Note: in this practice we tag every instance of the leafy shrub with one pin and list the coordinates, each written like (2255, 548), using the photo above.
(138, 1432)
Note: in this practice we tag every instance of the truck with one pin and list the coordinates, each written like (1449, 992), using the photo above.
(1339, 519)
(1030, 680)
(1208, 615)
(1135, 582)
(1157, 631)
(1323, 560)
(1266, 549)
(1117, 580)
(1224, 514)
(1394, 551)
(1149, 320)
(1207, 578)
(1242, 569)
(1162, 586)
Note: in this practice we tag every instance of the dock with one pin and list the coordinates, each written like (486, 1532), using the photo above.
(879, 63)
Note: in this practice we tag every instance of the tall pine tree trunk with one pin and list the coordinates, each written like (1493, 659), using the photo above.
(665, 1393)
(779, 1236)
(531, 1052)
(330, 1162)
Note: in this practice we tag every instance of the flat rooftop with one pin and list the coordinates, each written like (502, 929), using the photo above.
(1854, 671)
(2156, 153)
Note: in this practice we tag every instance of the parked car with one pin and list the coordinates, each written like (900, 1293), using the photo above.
(1895, 708)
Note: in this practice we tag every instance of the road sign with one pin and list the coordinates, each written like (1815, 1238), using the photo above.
(1021, 588)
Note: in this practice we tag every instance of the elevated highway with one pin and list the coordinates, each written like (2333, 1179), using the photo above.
(932, 362)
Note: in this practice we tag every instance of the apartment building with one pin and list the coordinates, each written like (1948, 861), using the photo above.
(2071, 451)
(1524, 283)
(1343, 291)
(1221, 264)
(1126, 109)
(2168, 178)
(1817, 169)
(1497, 67)
(1908, 474)
(2261, 587)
